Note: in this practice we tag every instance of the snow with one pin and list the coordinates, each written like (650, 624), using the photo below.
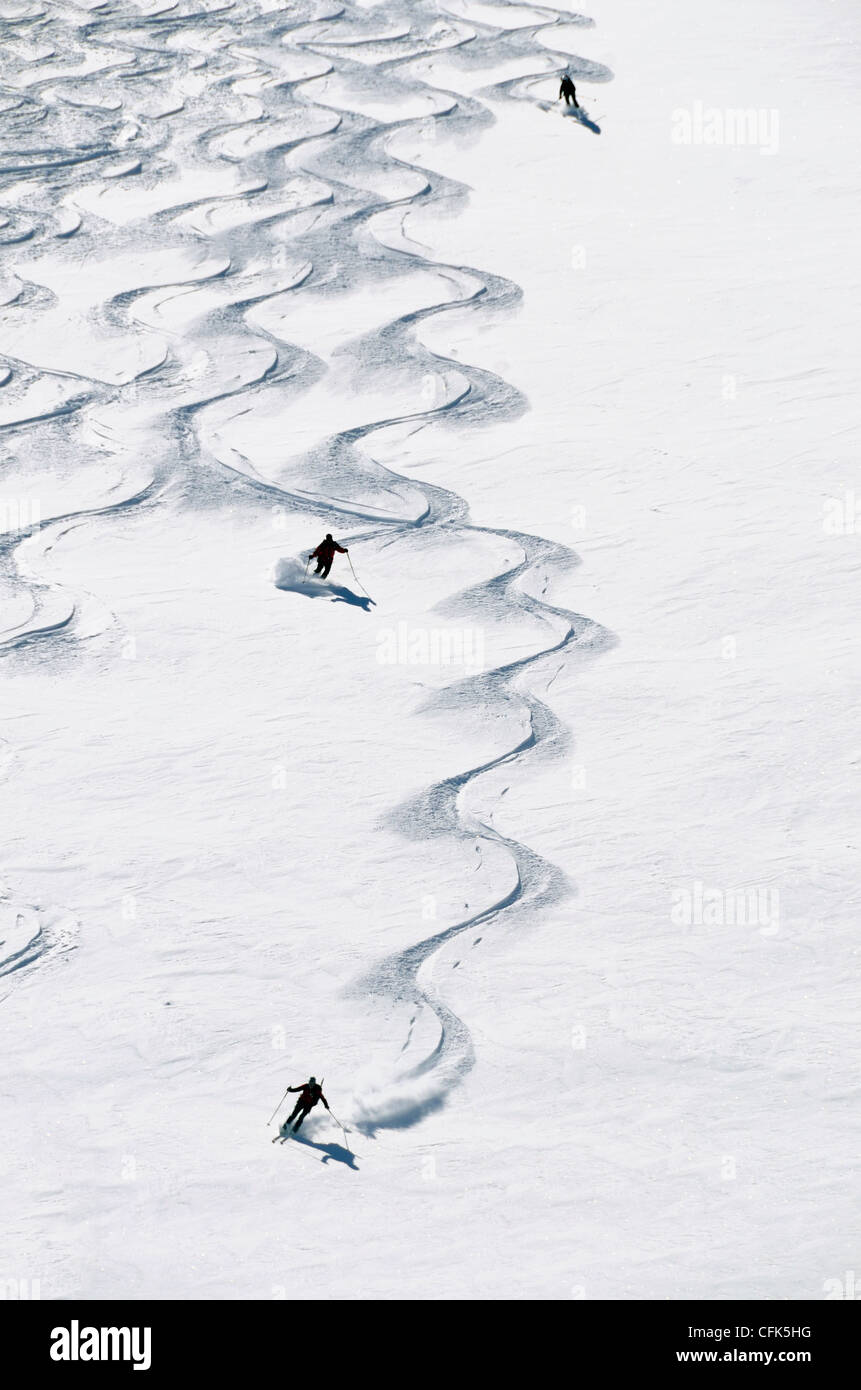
(467, 830)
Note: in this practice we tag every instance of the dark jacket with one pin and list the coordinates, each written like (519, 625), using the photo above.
(310, 1095)
(326, 551)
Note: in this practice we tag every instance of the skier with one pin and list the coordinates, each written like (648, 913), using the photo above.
(568, 91)
(310, 1092)
(325, 554)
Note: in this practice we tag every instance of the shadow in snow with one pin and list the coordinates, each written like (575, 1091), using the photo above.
(582, 119)
(571, 113)
(330, 1151)
(289, 577)
(343, 595)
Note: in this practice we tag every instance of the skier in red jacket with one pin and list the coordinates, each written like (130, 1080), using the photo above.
(325, 554)
(309, 1093)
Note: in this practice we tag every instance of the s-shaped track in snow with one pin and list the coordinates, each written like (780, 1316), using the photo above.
(257, 146)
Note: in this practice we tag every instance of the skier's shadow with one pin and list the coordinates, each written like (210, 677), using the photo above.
(331, 1151)
(343, 595)
(574, 113)
(582, 119)
(290, 579)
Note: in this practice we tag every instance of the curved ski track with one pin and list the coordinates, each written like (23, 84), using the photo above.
(121, 93)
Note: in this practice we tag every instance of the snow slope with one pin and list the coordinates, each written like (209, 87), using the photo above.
(579, 398)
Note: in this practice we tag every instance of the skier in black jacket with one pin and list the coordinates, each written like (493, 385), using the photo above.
(325, 554)
(309, 1093)
(568, 91)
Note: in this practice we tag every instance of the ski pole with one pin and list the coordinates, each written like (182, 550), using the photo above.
(342, 1129)
(305, 575)
(356, 577)
(278, 1106)
(337, 1121)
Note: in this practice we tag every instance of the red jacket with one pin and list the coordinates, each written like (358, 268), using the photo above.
(326, 551)
(310, 1095)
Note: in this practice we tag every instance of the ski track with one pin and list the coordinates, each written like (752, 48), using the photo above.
(244, 159)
